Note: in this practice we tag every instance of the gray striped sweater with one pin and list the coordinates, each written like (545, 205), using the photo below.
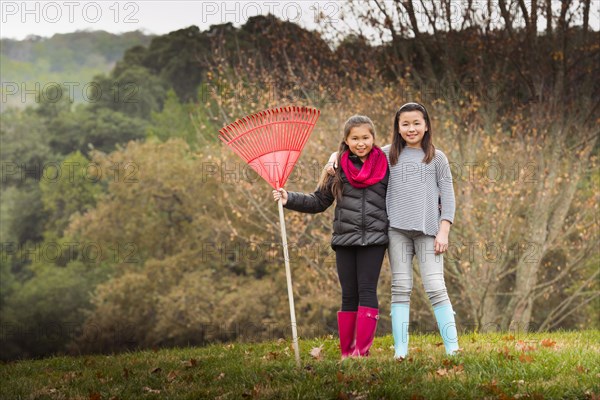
(414, 190)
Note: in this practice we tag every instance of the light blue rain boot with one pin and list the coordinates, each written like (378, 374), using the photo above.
(400, 315)
(445, 320)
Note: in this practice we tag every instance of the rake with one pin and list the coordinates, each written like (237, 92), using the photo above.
(270, 142)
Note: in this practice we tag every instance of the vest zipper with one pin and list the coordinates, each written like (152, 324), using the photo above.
(363, 217)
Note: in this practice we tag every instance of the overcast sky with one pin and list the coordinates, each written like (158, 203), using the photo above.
(20, 19)
(45, 18)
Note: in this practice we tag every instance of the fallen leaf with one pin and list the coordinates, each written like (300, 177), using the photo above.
(192, 362)
(340, 376)
(592, 396)
(458, 368)
(271, 355)
(582, 369)
(95, 396)
(230, 346)
(524, 346)
(508, 337)
(150, 390)
(492, 387)
(172, 376)
(156, 370)
(315, 352)
(221, 376)
(442, 372)
(342, 396)
(548, 343)
(506, 353)
(439, 344)
(525, 358)
(69, 376)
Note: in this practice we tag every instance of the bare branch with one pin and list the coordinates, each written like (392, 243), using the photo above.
(467, 15)
(586, 18)
(525, 15)
(506, 16)
(548, 17)
(534, 17)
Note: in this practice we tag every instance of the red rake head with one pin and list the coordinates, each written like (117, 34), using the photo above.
(271, 141)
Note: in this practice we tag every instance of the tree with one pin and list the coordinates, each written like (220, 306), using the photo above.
(72, 189)
(85, 129)
(173, 121)
(135, 92)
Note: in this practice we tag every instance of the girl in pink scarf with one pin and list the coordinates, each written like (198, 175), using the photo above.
(360, 229)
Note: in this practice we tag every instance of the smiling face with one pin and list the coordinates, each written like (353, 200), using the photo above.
(412, 127)
(360, 141)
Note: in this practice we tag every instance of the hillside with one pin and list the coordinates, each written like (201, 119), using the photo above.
(499, 366)
(71, 57)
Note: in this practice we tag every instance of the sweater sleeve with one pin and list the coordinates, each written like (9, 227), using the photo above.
(444, 182)
(312, 203)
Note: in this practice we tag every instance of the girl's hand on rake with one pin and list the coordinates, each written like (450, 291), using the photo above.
(331, 164)
(280, 194)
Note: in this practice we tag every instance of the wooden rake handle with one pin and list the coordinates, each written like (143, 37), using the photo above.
(288, 274)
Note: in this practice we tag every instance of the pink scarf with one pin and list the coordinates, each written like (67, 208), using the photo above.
(372, 171)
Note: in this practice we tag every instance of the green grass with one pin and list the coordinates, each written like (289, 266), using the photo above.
(493, 366)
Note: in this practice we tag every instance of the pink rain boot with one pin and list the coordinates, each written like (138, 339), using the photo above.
(347, 331)
(366, 325)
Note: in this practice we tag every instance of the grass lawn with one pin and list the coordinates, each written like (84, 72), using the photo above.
(558, 365)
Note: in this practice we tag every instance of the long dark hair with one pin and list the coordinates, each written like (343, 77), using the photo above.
(334, 183)
(398, 143)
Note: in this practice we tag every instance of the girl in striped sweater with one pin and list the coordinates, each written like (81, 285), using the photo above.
(420, 179)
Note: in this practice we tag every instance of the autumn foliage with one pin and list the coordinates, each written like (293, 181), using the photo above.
(195, 253)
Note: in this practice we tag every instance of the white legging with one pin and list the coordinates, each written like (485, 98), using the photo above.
(403, 246)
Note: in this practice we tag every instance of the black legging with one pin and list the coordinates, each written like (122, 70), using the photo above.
(358, 270)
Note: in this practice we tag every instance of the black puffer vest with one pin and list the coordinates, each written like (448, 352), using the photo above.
(360, 216)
